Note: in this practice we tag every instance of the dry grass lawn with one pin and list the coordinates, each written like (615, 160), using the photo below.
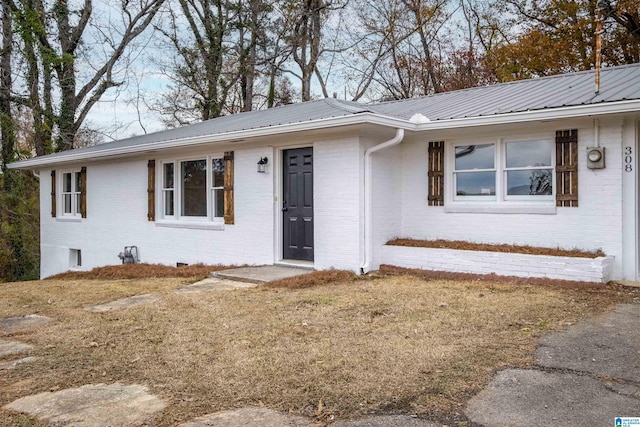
(386, 344)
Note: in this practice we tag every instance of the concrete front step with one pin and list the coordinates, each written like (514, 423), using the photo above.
(261, 274)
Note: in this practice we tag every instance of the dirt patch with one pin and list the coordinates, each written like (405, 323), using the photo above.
(141, 271)
(468, 246)
(359, 347)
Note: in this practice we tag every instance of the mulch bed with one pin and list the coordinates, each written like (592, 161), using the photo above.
(140, 271)
(468, 246)
(489, 278)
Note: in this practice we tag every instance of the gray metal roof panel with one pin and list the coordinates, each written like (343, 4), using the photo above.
(286, 114)
(575, 89)
(616, 84)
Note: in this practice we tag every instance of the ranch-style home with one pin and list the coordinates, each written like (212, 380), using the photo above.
(547, 162)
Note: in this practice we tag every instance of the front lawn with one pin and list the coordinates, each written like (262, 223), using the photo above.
(385, 344)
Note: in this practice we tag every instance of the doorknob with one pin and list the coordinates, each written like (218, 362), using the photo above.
(284, 207)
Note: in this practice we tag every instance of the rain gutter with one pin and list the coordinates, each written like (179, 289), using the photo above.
(368, 195)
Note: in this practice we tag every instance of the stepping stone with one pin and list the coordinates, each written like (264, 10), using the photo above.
(213, 284)
(13, 324)
(8, 348)
(249, 417)
(5, 366)
(124, 303)
(387, 421)
(93, 405)
(518, 397)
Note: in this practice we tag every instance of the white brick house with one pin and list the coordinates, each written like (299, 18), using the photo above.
(342, 178)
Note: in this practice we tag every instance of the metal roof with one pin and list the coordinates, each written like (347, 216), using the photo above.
(616, 84)
(286, 114)
(566, 90)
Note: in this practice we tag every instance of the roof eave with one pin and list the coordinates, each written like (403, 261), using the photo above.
(617, 107)
(72, 156)
(605, 108)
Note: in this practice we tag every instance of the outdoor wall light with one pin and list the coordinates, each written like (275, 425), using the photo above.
(262, 164)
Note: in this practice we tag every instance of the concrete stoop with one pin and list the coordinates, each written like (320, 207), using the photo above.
(261, 274)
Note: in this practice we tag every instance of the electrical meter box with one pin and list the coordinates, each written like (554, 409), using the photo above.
(595, 157)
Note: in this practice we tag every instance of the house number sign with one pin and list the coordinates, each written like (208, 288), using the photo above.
(628, 159)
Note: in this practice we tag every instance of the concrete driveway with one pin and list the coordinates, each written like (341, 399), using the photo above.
(588, 375)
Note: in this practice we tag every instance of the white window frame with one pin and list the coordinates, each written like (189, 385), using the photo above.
(74, 193)
(551, 167)
(178, 190)
(165, 190)
(495, 170)
(501, 202)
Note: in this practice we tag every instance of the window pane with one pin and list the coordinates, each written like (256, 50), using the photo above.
(217, 169)
(529, 153)
(475, 157)
(530, 183)
(66, 182)
(476, 184)
(168, 203)
(66, 200)
(219, 203)
(78, 206)
(168, 175)
(194, 188)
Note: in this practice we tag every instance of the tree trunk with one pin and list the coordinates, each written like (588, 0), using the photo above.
(6, 117)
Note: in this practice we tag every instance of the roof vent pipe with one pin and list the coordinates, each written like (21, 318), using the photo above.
(368, 195)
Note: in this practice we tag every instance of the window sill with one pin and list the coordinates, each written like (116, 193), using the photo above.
(502, 208)
(190, 225)
(68, 219)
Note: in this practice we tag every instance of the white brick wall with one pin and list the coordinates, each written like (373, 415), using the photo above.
(596, 223)
(117, 217)
(503, 264)
(338, 198)
(117, 207)
(387, 198)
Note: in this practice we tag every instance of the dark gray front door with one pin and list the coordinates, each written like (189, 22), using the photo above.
(297, 204)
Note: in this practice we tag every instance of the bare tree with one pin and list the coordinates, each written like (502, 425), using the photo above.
(56, 41)
(202, 73)
(306, 20)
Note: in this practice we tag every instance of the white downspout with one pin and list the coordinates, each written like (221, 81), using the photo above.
(368, 195)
